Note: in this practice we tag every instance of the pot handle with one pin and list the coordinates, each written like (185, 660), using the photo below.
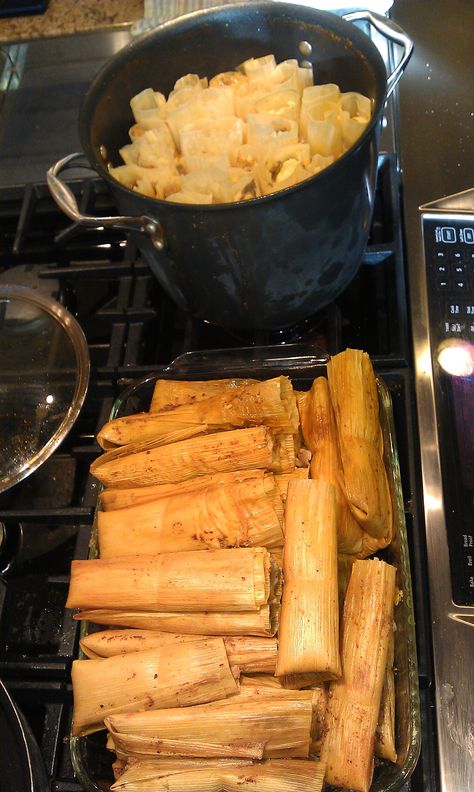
(392, 32)
(66, 200)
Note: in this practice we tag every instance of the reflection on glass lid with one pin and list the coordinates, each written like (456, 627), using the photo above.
(44, 373)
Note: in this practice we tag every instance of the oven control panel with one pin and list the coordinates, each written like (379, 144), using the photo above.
(449, 253)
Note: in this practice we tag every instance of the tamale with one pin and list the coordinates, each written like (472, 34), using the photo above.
(273, 775)
(355, 400)
(252, 655)
(212, 580)
(263, 622)
(170, 676)
(172, 393)
(136, 772)
(236, 515)
(120, 498)
(266, 403)
(238, 449)
(142, 428)
(282, 479)
(242, 729)
(309, 622)
(320, 434)
(385, 732)
(262, 683)
(354, 701)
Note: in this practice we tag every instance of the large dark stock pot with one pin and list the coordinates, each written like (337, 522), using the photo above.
(269, 262)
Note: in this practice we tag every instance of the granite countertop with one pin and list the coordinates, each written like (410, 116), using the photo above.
(63, 17)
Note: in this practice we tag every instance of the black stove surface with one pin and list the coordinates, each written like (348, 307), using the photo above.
(133, 329)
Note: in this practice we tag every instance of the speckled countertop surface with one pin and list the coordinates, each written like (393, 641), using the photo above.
(63, 17)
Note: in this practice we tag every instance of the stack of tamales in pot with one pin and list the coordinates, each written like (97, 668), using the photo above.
(249, 634)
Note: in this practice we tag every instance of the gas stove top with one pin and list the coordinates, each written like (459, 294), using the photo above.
(133, 329)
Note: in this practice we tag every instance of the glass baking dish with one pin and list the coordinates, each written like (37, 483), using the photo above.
(91, 760)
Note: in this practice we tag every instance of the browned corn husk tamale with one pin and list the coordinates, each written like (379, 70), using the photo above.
(121, 498)
(174, 675)
(251, 654)
(238, 449)
(263, 622)
(281, 729)
(355, 400)
(385, 732)
(354, 701)
(320, 434)
(214, 580)
(309, 621)
(270, 403)
(283, 479)
(236, 515)
(136, 772)
(317, 695)
(274, 775)
(172, 393)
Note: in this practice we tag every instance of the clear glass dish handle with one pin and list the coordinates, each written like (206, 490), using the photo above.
(260, 360)
(392, 32)
(66, 200)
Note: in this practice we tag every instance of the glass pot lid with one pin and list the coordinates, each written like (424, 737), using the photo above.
(44, 373)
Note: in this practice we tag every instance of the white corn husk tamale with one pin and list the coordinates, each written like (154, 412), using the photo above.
(385, 732)
(354, 701)
(320, 434)
(355, 400)
(236, 515)
(273, 775)
(262, 622)
(281, 729)
(121, 498)
(270, 403)
(172, 393)
(175, 675)
(252, 655)
(212, 580)
(309, 622)
(238, 449)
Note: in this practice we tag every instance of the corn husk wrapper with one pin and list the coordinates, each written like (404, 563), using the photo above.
(170, 676)
(242, 729)
(121, 498)
(168, 394)
(252, 655)
(385, 732)
(134, 773)
(318, 696)
(309, 623)
(282, 480)
(294, 775)
(320, 434)
(237, 515)
(354, 701)
(238, 449)
(263, 622)
(269, 403)
(217, 580)
(355, 400)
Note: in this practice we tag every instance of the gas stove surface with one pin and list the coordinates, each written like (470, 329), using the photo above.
(133, 329)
